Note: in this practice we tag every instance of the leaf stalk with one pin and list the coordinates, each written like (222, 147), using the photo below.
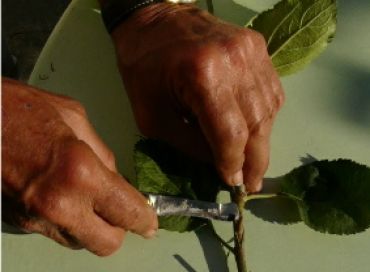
(260, 196)
(210, 6)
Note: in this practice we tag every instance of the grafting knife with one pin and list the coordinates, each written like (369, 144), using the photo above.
(169, 205)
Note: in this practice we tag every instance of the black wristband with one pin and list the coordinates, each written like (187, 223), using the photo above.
(116, 11)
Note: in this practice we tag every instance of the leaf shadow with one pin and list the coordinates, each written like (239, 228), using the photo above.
(308, 158)
(275, 210)
(345, 58)
(355, 95)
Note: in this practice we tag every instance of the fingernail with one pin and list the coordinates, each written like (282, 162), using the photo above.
(237, 179)
(150, 234)
(254, 188)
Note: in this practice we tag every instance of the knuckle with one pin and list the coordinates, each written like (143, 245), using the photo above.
(76, 164)
(77, 107)
(230, 155)
(280, 99)
(199, 81)
(261, 127)
(262, 115)
(258, 39)
(46, 205)
(80, 109)
(75, 174)
(110, 158)
(256, 44)
(75, 116)
(201, 64)
(68, 106)
(236, 50)
(277, 99)
(207, 77)
(237, 134)
(25, 224)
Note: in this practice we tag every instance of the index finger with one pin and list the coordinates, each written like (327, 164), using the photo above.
(226, 131)
(120, 204)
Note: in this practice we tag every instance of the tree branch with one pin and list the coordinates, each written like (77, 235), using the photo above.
(238, 196)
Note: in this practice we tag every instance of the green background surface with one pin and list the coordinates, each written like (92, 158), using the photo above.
(326, 115)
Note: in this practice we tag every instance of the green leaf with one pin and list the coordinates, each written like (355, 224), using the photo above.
(162, 170)
(296, 31)
(332, 196)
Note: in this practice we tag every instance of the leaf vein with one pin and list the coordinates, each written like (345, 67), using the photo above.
(300, 30)
(305, 14)
(301, 57)
(282, 22)
(307, 46)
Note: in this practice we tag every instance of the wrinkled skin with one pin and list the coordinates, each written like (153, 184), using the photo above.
(59, 179)
(205, 86)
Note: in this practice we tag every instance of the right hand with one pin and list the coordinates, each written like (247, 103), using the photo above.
(59, 179)
(205, 86)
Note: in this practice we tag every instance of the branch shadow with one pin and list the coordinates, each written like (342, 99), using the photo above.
(213, 250)
(184, 263)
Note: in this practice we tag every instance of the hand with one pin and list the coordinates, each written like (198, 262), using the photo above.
(205, 86)
(59, 179)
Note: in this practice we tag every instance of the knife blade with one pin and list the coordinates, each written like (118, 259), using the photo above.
(169, 205)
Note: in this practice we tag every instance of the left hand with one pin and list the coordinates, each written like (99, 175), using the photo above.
(59, 178)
